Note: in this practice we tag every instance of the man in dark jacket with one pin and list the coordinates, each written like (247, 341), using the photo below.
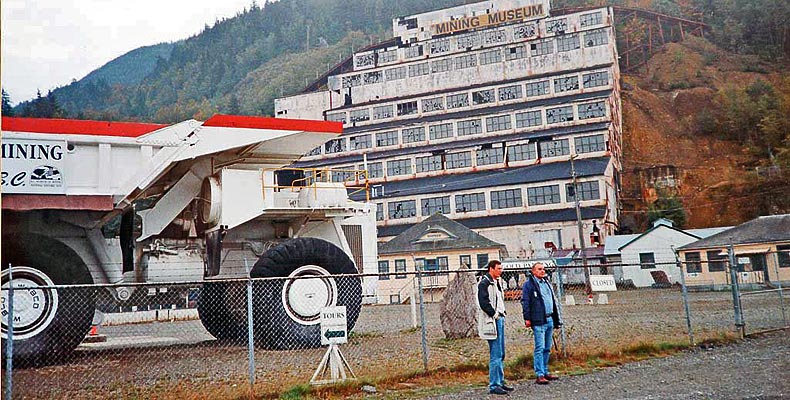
(539, 306)
(491, 325)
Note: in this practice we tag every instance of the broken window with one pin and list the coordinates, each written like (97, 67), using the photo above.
(374, 170)
(541, 47)
(342, 174)
(440, 131)
(360, 142)
(388, 56)
(364, 60)
(402, 209)
(351, 81)
(457, 100)
(413, 51)
(389, 138)
(442, 65)
(419, 69)
(596, 38)
(567, 43)
(596, 79)
(592, 110)
(498, 123)
(537, 88)
(494, 155)
(393, 74)
(470, 202)
(382, 112)
(525, 31)
(469, 127)
(411, 135)
(589, 144)
(399, 167)
(490, 57)
(371, 77)
(483, 96)
(429, 163)
(505, 198)
(521, 152)
(509, 92)
(566, 83)
(439, 46)
(591, 19)
(516, 52)
(467, 41)
(359, 115)
(433, 104)
(407, 108)
(335, 146)
(459, 160)
(586, 190)
(559, 114)
(336, 117)
(554, 148)
(557, 26)
(493, 36)
(467, 61)
(529, 118)
(540, 195)
(314, 152)
(380, 217)
(435, 205)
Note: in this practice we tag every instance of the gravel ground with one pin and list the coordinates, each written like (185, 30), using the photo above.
(756, 368)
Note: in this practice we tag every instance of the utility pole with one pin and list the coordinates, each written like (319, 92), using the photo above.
(587, 287)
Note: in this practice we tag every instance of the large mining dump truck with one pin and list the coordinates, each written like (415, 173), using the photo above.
(127, 204)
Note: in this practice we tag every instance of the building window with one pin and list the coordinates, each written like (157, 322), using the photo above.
(537, 88)
(541, 47)
(465, 261)
(351, 81)
(402, 209)
(469, 127)
(429, 163)
(440, 131)
(360, 115)
(483, 96)
(525, 31)
(444, 264)
(413, 51)
(458, 100)
(379, 212)
(400, 266)
(314, 152)
(419, 69)
(509, 92)
(336, 117)
(498, 123)
(592, 110)
(557, 26)
(490, 57)
(589, 144)
(521, 152)
(717, 262)
(466, 41)
(374, 170)
(433, 104)
(388, 56)
(470, 202)
(647, 260)
(567, 43)
(342, 174)
(399, 167)
(566, 84)
(441, 65)
(382, 112)
(693, 264)
(587, 191)
(360, 142)
(371, 77)
(559, 114)
(335, 146)
(435, 205)
(591, 19)
(389, 138)
(467, 61)
(595, 38)
(439, 46)
(490, 156)
(482, 261)
(595, 79)
(409, 107)
(555, 148)
(459, 160)
(529, 118)
(751, 262)
(493, 36)
(783, 256)
(540, 195)
(384, 268)
(505, 198)
(516, 52)
(396, 73)
(411, 135)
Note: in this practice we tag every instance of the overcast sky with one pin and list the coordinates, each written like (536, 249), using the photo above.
(47, 43)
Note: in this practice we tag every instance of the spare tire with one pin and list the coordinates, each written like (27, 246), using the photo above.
(287, 311)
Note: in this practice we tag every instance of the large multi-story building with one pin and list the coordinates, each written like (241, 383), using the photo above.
(475, 112)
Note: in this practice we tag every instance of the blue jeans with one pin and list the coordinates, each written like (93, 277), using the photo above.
(543, 341)
(496, 350)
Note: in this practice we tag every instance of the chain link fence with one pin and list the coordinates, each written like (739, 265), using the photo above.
(229, 337)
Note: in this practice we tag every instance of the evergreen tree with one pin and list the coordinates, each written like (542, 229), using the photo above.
(667, 206)
(7, 110)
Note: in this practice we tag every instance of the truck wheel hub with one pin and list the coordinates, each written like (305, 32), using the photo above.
(34, 308)
(305, 297)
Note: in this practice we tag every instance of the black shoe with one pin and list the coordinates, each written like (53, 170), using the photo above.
(498, 390)
(507, 388)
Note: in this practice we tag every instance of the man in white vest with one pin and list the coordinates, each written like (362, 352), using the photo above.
(491, 325)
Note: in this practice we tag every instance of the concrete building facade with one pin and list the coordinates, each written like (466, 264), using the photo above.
(475, 112)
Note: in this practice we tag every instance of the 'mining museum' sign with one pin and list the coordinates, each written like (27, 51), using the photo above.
(495, 18)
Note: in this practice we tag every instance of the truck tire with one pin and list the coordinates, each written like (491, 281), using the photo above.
(50, 323)
(222, 310)
(286, 311)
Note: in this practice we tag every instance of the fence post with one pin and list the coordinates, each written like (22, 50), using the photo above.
(250, 332)
(9, 346)
(779, 286)
(684, 290)
(736, 292)
(560, 297)
(422, 318)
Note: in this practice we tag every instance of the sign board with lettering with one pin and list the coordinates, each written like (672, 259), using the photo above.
(33, 166)
(497, 17)
(602, 283)
(522, 265)
(334, 325)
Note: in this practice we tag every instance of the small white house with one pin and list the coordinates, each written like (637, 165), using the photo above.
(653, 253)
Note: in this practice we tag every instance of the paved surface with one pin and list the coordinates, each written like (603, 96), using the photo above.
(753, 369)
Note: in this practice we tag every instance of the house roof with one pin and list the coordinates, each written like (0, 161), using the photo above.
(766, 229)
(450, 235)
(613, 243)
(655, 227)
